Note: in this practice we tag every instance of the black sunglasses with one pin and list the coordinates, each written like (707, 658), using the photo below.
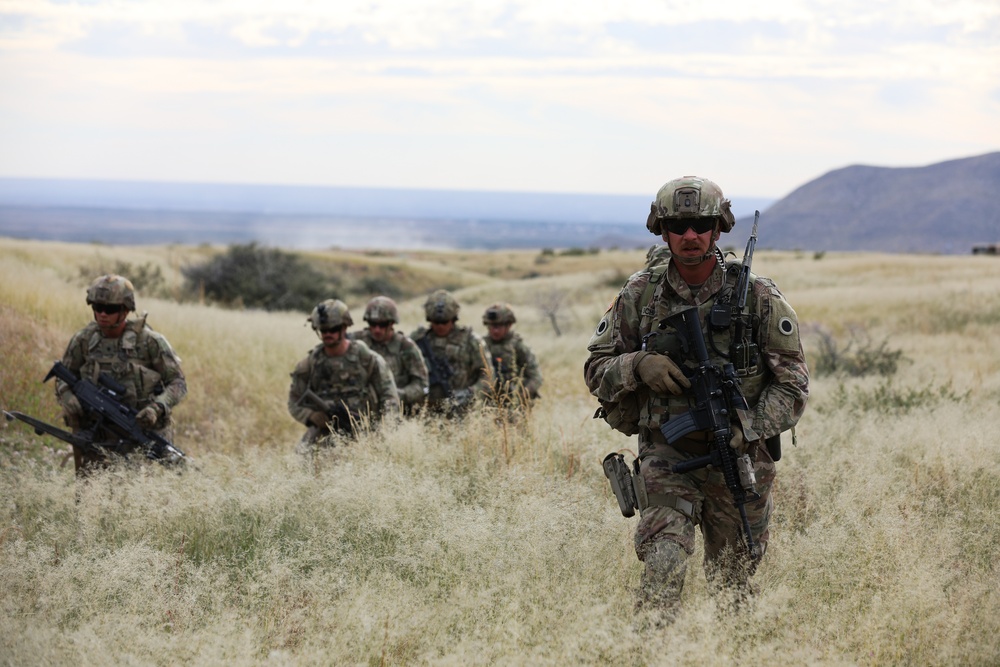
(379, 325)
(107, 308)
(331, 329)
(699, 225)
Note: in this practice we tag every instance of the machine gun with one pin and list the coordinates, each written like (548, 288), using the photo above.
(103, 402)
(717, 395)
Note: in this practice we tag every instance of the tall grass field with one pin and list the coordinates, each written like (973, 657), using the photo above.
(497, 541)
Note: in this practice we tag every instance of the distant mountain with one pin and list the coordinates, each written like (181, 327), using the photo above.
(946, 208)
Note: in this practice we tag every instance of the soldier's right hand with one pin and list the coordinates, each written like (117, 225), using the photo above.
(318, 419)
(661, 374)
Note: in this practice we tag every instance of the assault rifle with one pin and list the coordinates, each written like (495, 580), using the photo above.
(341, 418)
(103, 402)
(717, 395)
(727, 310)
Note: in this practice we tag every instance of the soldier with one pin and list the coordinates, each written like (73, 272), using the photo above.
(644, 386)
(138, 358)
(516, 374)
(341, 383)
(401, 354)
(455, 357)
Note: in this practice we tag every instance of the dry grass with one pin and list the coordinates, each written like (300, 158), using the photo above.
(499, 542)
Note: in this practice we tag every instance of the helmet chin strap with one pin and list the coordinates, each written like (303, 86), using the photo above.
(695, 261)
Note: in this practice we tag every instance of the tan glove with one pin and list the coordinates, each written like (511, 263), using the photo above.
(147, 416)
(661, 374)
(738, 442)
(318, 419)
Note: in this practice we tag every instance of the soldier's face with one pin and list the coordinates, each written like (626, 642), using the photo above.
(110, 318)
(381, 332)
(442, 329)
(498, 331)
(691, 244)
(332, 337)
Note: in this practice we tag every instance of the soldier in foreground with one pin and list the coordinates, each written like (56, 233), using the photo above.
(516, 375)
(341, 384)
(455, 357)
(142, 363)
(401, 354)
(642, 369)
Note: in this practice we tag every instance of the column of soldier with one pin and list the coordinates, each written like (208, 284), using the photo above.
(640, 369)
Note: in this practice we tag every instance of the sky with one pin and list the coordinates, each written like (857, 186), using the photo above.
(574, 96)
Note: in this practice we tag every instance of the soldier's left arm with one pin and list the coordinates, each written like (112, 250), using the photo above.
(385, 386)
(166, 362)
(783, 399)
(477, 355)
(531, 373)
(416, 371)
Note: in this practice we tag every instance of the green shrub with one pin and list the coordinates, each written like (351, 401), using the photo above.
(888, 399)
(256, 277)
(858, 357)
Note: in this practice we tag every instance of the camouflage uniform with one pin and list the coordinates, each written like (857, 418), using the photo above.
(515, 370)
(360, 380)
(456, 363)
(405, 362)
(658, 253)
(140, 359)
(463, 352)
(514, 365)
(776, 392)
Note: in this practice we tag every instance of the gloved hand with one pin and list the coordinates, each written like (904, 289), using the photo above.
(318, 419)
(147, 416)
(739, 442)
(661, 374)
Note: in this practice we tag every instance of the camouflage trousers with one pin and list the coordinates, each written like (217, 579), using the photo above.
(704, 502)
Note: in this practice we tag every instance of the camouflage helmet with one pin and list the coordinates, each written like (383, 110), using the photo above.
(689, 197)
(441, 307)
(381, 309)
(330, 314)
(112, 289)
(499, 313)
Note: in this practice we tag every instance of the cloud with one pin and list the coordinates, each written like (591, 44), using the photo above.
(514, 94)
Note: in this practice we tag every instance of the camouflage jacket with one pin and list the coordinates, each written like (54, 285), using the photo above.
(513, 362)
(776, 390)
(405, 361)
(360, 379)
(140, 359)
(460, 359)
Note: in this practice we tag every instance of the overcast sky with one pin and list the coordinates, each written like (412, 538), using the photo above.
(610, 97)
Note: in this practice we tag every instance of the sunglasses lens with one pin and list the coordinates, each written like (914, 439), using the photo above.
(699, 225)
(379, 325)
(107, 309)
